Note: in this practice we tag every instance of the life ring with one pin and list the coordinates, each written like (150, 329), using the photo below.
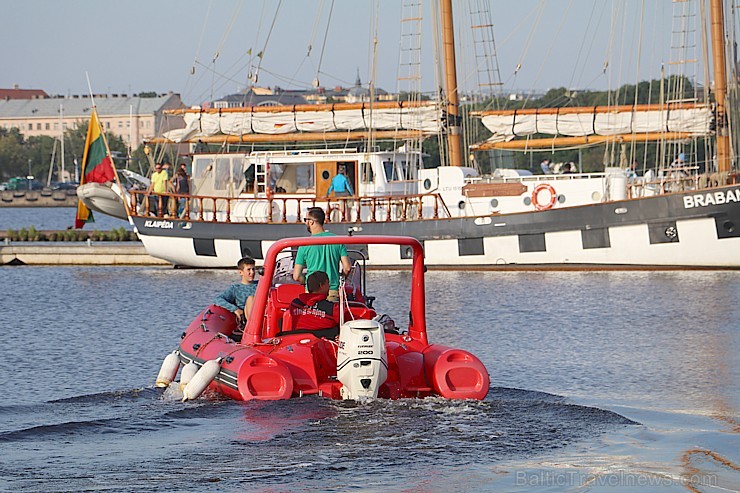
(553, 197)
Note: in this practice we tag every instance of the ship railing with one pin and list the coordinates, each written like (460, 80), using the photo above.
(277, 209)
(675, 180)
(530, 178)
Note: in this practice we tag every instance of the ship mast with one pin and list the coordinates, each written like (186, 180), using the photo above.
(453, 101)
(720, 84)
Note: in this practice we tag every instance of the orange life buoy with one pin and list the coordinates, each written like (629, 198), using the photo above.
(535, 194)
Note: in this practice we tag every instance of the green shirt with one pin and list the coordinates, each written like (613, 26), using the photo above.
(325, 258)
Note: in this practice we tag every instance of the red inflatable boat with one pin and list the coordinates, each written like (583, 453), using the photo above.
(276, 359)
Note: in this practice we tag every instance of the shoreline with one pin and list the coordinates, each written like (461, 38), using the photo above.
(38, 198)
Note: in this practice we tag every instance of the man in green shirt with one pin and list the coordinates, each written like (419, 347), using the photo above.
(325, 258)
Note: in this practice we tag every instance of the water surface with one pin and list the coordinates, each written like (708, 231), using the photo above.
(53, 218)
(598, 378)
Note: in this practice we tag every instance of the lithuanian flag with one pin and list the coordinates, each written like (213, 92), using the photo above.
(97, 165)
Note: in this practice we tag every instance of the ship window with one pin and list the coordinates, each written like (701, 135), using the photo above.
(292, 178)
(304, 178)
(277, 180)
(237, 164)
(398, 170)
(200, 167)
(391, 171)
(366, 173)
(221, 173)
(408, 170)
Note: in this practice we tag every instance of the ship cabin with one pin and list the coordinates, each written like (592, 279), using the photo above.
(279, 186)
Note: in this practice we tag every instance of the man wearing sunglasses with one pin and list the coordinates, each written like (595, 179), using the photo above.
(325, 258)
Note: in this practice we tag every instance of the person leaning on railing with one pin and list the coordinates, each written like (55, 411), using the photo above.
(181, 182)
(340, 184)
(160, 184)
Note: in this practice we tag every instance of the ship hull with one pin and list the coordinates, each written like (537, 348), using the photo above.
(698, 229)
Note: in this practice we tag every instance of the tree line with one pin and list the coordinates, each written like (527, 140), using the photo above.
(18, 153)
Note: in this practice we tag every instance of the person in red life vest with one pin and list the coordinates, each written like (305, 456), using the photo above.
(312, 311)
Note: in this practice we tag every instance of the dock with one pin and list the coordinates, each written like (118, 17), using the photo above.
(78, 253)
(38, 198)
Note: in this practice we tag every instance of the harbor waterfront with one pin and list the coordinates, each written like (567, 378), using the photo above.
(56, 253)
(601, 381)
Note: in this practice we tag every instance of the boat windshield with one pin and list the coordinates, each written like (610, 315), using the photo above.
(354, 281)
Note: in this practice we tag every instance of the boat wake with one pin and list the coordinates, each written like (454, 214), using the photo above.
(277, 442)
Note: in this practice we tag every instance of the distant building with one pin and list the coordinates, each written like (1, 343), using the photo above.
(18, 93)
(265, 96)
(358, 94)
(132, 118)
(260, 96)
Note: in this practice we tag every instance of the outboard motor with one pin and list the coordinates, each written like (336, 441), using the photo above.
(362, 363)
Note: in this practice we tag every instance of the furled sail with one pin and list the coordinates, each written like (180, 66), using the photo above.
(685, 119)
(423, 116)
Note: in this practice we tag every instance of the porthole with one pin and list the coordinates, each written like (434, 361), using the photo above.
(527, 201)
(729, 226)
(596, 196)
(325, 175)
(671, 232)
(461, 205)
(427, 184)
(494, 203)
(561, 199)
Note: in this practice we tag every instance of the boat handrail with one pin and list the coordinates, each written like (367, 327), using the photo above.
(529, 178)
(385, 208)
(303, 152)
(673, 182)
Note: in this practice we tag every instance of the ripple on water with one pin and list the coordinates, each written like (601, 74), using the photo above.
(271, 441)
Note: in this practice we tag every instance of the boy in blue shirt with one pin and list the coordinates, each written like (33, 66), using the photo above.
(239, 297)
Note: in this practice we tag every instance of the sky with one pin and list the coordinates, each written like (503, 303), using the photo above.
(129, 46)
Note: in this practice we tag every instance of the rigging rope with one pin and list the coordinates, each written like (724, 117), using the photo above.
(323, 44)
(637, 74)
(261, 54)
(583, 43)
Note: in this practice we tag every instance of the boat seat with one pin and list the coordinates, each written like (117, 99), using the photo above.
(277, 303)
(288, 322)
(359, 311)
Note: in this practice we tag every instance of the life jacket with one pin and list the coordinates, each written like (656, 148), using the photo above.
(312, 311)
